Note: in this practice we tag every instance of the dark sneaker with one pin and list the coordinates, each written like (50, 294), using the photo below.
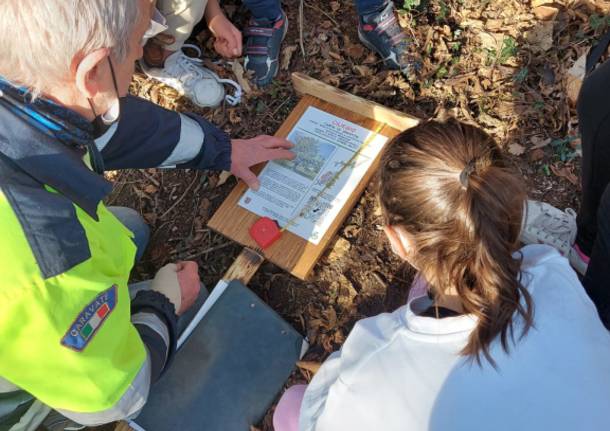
(263, 48)
(380, 32)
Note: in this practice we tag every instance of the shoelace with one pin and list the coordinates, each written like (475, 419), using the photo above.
(555, 227)
(192, 65)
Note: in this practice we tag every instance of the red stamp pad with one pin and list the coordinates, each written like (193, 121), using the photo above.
(265, 232)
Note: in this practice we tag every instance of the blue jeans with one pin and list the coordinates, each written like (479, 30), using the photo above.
(135, 223)
(365, 7)
(271, 9)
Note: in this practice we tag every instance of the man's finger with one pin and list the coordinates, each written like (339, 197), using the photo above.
(281, 154)
(276, 142)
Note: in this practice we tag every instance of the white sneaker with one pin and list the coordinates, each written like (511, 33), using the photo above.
(187, 75)
(545, 224)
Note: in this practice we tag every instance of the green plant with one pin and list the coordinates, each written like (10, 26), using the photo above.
(508, 50)
(563, 148)
(441, 72)
(538, 105)
(409, 5)
(598, 22)
(521, 75)
(443, 13)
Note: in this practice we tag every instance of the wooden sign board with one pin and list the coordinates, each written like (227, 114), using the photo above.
(291, 252)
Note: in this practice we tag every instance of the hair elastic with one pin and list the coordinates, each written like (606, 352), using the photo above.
(466, 172)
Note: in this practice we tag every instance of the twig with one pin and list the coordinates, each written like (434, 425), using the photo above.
(288, 99)
(170, 209)
(326, 14)
(301, 28)
(208, 250)
(150, 178)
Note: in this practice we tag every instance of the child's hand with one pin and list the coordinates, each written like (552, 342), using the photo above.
(228, 38)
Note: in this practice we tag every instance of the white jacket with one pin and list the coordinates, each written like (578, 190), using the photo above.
(402, 372)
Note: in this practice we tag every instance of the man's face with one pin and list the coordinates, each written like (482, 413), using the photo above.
(124, 71)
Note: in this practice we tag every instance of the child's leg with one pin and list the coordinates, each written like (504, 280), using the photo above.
(182, 17)
(369, 6)
(597, 278)
(265, 34)
(264, 9)
(378, 30)
(594, 117)
(286, 415)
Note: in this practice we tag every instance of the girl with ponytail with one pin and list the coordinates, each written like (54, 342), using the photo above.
(503, 337)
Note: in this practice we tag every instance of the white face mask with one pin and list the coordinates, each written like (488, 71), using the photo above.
(112, 114)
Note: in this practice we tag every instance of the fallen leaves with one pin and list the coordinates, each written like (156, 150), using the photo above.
(239, 72)
(576, 75)
(287, 56)
(566, 172)
(516, 149)
(540, 38)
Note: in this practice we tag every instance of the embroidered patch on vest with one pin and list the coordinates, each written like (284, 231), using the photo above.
(90, 320)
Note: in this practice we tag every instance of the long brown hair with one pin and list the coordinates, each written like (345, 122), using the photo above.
(449, 186)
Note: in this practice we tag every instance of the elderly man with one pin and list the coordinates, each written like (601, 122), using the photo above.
(71, 336)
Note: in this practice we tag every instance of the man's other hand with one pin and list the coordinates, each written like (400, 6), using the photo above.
(250, 152)
(190, 284)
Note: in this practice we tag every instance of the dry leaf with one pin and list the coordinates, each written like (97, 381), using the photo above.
(540, 37)
(537, 154)
(490, 40)
(576, 75)
(335, 6)
(287, 56)
(239, 72)
(310, 366)
(537, 3)
(223, 178)
(516, 149)
(545, 13)
(151, 189)
(565, 172)
(356, 51)
(363, 70)
(234, 117)
(538, 142)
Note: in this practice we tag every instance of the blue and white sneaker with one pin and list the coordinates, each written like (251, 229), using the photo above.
(380, 32)
(263, 48)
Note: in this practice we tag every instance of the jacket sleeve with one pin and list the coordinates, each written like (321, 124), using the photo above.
(148, 136)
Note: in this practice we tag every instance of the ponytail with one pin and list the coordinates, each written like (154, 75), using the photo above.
(449, 186)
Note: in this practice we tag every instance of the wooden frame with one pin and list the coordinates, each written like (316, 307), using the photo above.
(304, 84)
(291, 252)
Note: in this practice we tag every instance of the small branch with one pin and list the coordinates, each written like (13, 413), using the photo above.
(175, 204)
(326, 14)
(150, 178)
(208, 250)
(301, 28)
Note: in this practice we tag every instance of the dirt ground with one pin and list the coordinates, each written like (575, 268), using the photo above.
(501, 65)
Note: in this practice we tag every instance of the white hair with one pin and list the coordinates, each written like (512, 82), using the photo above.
(40, 38)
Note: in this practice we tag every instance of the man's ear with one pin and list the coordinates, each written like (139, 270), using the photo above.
(88, 73)
(398, 241)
